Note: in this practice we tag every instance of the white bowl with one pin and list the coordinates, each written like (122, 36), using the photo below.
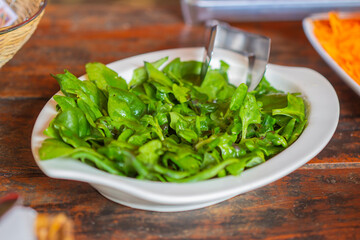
(308, 27)
(323, 116)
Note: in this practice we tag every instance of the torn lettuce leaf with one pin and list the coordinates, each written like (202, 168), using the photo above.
(166, 125)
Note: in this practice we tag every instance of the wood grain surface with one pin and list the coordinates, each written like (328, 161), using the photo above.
(321, 200)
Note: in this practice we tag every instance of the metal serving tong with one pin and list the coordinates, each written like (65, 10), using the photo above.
(255, 47)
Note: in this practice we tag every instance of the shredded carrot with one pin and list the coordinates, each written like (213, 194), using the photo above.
(341, 40)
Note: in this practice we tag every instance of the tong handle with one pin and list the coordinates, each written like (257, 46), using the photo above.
(253, 46)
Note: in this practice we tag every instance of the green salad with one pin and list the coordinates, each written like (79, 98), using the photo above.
(166, 125)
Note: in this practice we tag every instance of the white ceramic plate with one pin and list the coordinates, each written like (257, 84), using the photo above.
(309, 32)
(323, 115)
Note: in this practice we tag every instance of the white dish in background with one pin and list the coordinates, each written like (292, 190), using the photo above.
(323, 116)
(309, 32)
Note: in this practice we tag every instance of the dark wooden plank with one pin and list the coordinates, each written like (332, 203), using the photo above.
(307, 204)
(111, 32)
(105, 33)
(64, 42)
(318, 201)
(108, 33)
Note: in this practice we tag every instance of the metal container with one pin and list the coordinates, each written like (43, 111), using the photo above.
(197, 11)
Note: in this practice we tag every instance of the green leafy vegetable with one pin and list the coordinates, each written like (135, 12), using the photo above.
(295, 108)
(103, 76)
(249, 113)
(165, 125)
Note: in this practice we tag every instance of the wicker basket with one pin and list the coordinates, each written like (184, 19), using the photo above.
(12, 38)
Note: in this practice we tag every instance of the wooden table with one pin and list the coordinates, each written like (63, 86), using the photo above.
(321, 200)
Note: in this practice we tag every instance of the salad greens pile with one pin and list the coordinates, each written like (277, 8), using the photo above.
(166, 125)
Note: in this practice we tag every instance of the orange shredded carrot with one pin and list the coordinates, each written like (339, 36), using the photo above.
(341, 40)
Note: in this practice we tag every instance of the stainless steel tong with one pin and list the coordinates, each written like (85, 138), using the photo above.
(255, 47)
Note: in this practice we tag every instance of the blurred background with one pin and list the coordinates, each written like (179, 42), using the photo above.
(196, 11)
